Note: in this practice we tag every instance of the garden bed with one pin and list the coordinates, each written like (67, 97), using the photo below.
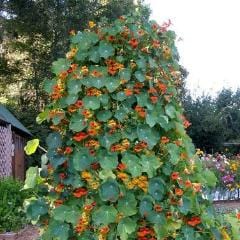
(227, 205)
(28, 233)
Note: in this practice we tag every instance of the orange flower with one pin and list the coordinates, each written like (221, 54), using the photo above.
(152, 90)
(89, 207)
(117, 148)
(57, 92)
(156, 44)
(175, 176)
(87, 113)
(141, 32)
(162, 87)
(197, 187)
(186, 124)
(121, 166)
(141, 111)
(80, 136)
(194, 221)
(84, 70)
(188, 184)
(128, 92)
(59, 188)
(158, 208)
(111, 38)
(104, 230)
(140, 146)
(165, 140)
(71, 54)
(86, 175)
(122, 176)
(58, 202)
(145, 49)
(122, 18)
(112, 70)
(133, 42)
(154, 99)
(96, 73)
(92, 144)
(79, 192)
(155, 27)
(95, 125)
(72, 109)
(238, 215)
(178, 191)
(125, 143)
(93, 92)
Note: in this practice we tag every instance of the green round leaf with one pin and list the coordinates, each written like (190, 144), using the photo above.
(91, 102)
(74, 86)
(31, 146)
(60, 65)
(104, 115)
(109, 191)
(127, 205)
(105, 49)
(104, 215)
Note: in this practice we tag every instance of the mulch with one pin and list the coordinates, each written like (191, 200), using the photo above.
(28, 233)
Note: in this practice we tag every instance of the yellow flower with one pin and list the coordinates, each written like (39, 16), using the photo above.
(91, 24)
(94, 185)
(199, 152)
(86, 175)
(225, 235)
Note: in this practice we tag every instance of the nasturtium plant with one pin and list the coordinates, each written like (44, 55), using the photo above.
(119, 163)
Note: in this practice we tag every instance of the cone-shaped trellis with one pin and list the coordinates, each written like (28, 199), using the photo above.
(119, 163)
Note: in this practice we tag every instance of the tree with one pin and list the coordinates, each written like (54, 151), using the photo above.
(119, 162)
(34, 33)
(214, 121)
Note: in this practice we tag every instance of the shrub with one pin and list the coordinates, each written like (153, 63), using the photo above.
(12, 216)
(119, 162)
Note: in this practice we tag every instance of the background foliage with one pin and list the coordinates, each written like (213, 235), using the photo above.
(12, 217)
(32, 35)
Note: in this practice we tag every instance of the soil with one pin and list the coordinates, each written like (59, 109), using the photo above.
(28, 233)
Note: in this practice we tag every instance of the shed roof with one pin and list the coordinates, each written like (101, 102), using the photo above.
(7, 116)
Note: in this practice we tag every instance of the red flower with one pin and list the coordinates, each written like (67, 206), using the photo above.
(62, 176)
(154, 99)
(68, 150)
(175, 176)
(121, 166)
(133, 42)
(238, 216)
(128, 92)
(164, 140)
(58, 202)
(194, 221)
(79, 104)
(80, 136)
(79, 192)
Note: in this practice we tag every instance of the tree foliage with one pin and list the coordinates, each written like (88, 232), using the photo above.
(32, 35)
(214, 121)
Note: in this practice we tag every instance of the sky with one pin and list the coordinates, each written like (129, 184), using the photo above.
(209, 40)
